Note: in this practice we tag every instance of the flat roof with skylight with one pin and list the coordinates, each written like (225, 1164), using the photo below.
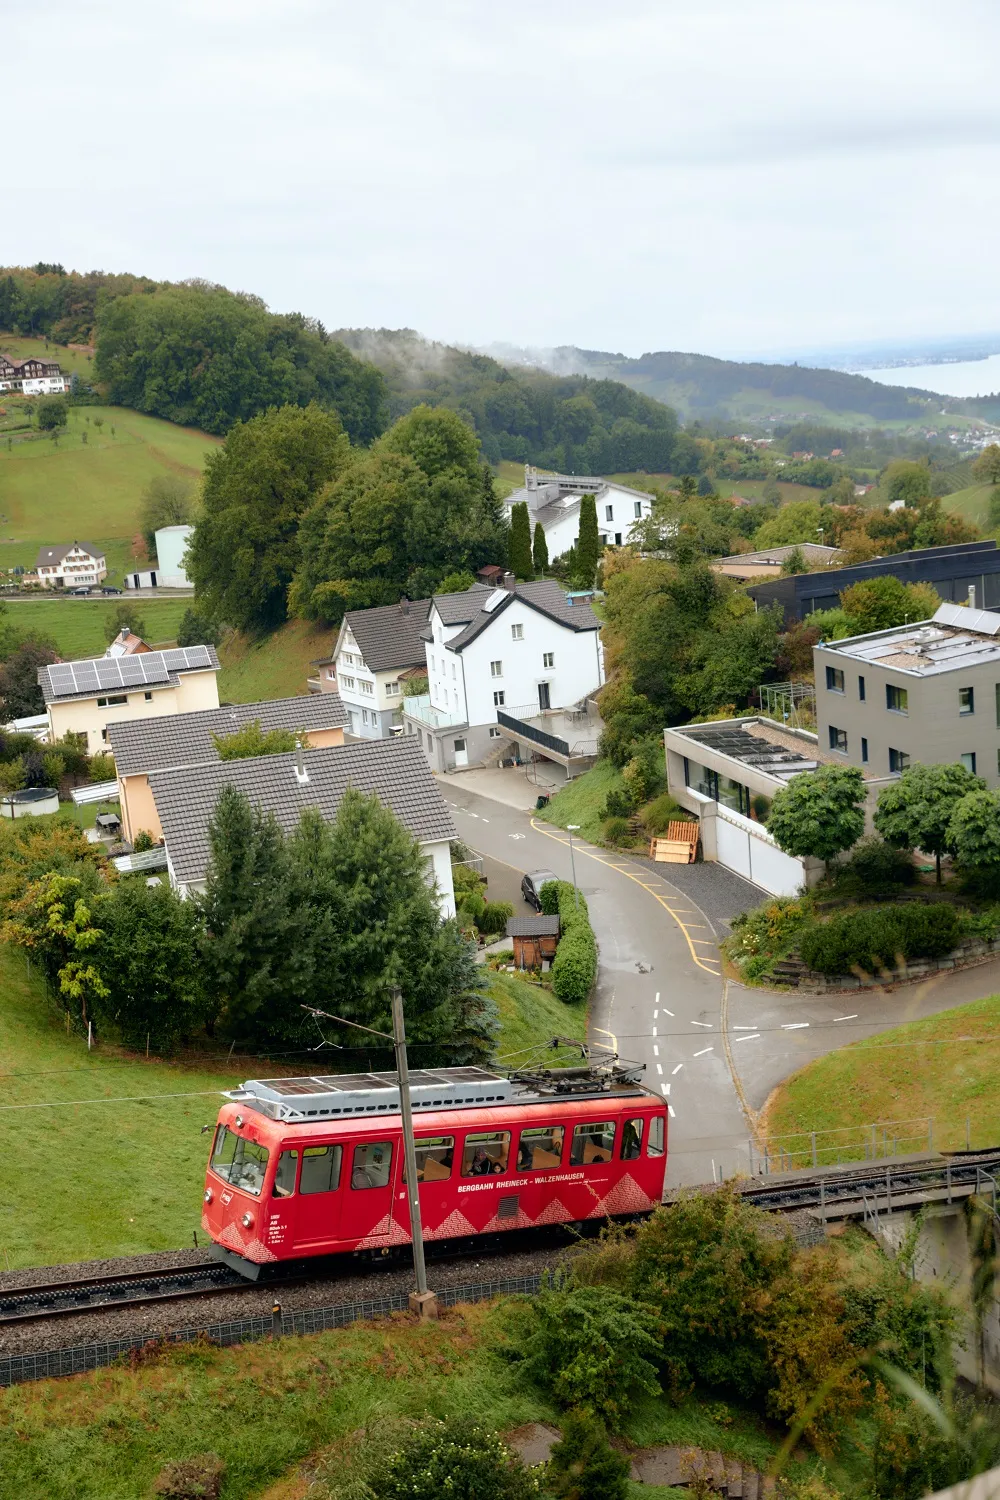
(956, 639)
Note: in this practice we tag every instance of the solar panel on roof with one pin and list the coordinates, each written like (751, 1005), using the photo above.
(85, 676)
(367, 1093)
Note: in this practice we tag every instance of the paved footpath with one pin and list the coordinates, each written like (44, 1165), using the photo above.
(714, 1048)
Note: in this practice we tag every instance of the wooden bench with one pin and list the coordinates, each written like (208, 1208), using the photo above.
(679, 847)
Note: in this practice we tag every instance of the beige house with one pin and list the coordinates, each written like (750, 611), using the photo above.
(72, 565)
(141, 747)
(84, 697)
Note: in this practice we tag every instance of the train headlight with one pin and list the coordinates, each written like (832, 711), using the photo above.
(209, 1195)
(247, 1221)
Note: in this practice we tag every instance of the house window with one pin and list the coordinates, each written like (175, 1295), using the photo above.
(838, 740)
(861, 689)
(548, 660)
(609, 512)
(364, 716)
(454, 673)
(496, 734)
(366, 687)
(348, 683)
(618, 538)
(969, 761)
(496, 668)
(897, 699)
(898, 761)
(864, 751)
(834, 680)
(498, 700)
(148, 697)
(966, 701)
(392, 690)
(638, 510)
(115, 702)
(517, 632)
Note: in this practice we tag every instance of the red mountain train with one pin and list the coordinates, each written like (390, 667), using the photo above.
(314, 1166)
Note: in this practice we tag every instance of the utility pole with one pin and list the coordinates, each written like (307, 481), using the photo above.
(422, 1302)
(572, 828)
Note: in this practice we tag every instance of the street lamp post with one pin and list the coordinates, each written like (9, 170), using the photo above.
(572, 828)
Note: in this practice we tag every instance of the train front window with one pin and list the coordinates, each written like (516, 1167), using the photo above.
(239, 1162)
(592, 1143)
(284, 1177)
(631, 1148)
(435, 1155)
(654, 1146)
(485, 1154)
(372, 1165)
(541, 1148)
(320, 1169)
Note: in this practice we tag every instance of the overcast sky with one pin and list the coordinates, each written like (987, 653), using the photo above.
(709, 175)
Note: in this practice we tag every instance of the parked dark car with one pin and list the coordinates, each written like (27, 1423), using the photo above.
(531, 886)
(109, 590)
(80, 591)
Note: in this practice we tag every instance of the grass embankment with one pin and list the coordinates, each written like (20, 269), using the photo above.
(945, 1067)
(58, 492)
(582, 801)
(266, 1407)
(972, 504)
(77, 625)
(106, 1155)
(277, 666)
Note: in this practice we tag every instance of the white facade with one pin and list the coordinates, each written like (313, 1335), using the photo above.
(370, 698)
(73, 569)
(42, 385)
(555, 502)
(171, 547)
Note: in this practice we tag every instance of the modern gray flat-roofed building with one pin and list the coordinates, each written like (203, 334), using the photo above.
(928, 692)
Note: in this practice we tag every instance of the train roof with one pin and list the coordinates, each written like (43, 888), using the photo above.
(339, 1096)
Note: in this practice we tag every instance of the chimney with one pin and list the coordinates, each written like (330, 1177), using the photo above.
(404, 605)
(301, 774)
(972, 596)
(509, 582)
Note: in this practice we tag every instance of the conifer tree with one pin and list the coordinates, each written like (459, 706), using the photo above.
(520, 540)
(587, 543)
(540, 550)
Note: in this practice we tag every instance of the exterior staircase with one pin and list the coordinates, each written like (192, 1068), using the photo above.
(702, 1471)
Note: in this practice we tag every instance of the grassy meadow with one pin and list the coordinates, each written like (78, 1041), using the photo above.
(71, 361)
(77, 626)
(944, 1066)
(581, 802)
(973, 504)
(276, 666)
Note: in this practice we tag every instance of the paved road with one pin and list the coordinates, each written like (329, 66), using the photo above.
(714, 1048)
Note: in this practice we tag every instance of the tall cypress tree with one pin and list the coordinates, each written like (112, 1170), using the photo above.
(587, 543)
(520, 540)
(540, 550)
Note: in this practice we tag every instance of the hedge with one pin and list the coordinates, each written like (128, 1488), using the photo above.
(874, 940)
(574, 967)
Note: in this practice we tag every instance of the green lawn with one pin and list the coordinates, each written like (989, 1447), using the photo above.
(277, 666)
(582, 800)
(70, 361)
(944, 1066)
(77, 625)
(972, 504)
(530, 1015)
(89, 491)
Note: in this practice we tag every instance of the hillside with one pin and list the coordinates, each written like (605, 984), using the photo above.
(55, 492)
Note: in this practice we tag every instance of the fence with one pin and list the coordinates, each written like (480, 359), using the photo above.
(825, 1148)
(15, 1369)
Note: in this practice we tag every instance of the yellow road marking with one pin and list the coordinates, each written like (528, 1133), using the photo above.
(585, 850)
(614, 1039)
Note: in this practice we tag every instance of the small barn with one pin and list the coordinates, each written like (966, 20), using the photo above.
(534, 940)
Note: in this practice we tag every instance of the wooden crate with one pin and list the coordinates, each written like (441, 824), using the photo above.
(679, 847)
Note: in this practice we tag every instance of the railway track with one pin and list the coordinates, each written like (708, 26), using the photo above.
(841, 1192)
(59, 1299)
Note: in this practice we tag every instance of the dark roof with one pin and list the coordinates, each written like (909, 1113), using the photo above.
(459, 609)
(532, 927)
(63, 681)
(390, 636)
(545, 595)
(395, 770)
(49, 556)
(186, 739)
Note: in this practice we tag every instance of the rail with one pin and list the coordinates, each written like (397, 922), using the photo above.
(528, 731)
(867, 1191)
(841, 1145)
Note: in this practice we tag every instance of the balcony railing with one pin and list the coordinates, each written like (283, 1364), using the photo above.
(419, 708)
(528, 722)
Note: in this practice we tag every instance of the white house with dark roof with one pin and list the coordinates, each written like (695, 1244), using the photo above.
(142, 746)
(554, 500)
(396, 771)
(70, 565)
(85, 697)
(375, 650)
(508, 666)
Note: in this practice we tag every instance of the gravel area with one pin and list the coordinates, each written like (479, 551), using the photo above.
(351, 1283)
(720, 893)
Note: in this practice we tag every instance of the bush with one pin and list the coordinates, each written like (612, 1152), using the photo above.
(143, 841)
(459, 1458)
(877, 939)
(767, 933)
(197, 1478)
(873, 866)
(616, 831)
(584, 1466)
(591, 1347)
(550, 898)
(101, 767)
(618, 805)
(574, 967)
(660, 813)
(494, 917)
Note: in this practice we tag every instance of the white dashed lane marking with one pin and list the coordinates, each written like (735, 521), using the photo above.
(677, 1069)
(703, 1051)
(707, 1024)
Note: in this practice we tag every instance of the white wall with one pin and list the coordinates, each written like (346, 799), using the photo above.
(171, 546)
(439, 855)
(576, 670)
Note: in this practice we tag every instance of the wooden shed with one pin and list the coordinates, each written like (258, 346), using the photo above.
(534, 940)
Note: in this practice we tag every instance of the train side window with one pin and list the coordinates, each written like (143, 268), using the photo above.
(541, 1148)
(631, 1147)
(284, 1177)
(654, 1146)
(241, 1163)
(486, 1153)
(593, 1142)
(372, 1165)
(320, 1169)
(435, 1155)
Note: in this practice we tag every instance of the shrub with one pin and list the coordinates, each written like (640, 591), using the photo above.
(574, 967)
(197, 1478)
(143, 841)
(465, 880)
(616, 830)
(877, 939)
(584, 1466)
(767, 933)
(618, 805)
(873, 866)
(460, 1458)
(591, 1347)
(494, 917)
(101, 767)
(660, 813)
(550, 898)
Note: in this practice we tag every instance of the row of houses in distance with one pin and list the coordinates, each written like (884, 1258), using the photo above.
(32, 376)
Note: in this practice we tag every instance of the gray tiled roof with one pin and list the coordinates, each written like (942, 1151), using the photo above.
(459, 609)
(546, 596)
(395, 770)
(540, 926)
(389, 637)
(186, 739)
(49, 556)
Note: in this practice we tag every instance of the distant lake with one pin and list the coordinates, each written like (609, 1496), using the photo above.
(973, 377)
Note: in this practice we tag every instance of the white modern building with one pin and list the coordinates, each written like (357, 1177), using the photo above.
(375, 652)
(554, 500)
(171, 551)
(72, 565)
(508, 668)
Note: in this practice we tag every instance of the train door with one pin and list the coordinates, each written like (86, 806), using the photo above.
(310, 1195)
(370, 1188)
(435, 1167)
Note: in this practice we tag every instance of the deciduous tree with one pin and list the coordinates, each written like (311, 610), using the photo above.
(124, 616)
(250, 741)
(883, 603)
(19, 686)
(916, 811)
(820, 813)
(150, 965)
(167, 500)
(974, 830)
(987, 465)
